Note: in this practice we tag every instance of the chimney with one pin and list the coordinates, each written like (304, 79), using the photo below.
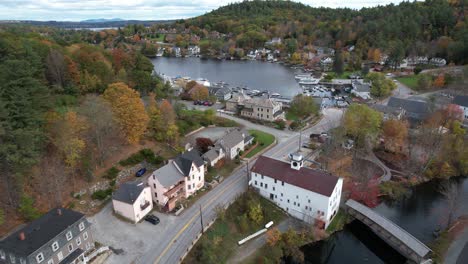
(59, 211)
(22, 236)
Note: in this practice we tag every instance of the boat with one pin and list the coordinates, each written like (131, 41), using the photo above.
(274, 95)
(301, 76)
(309, 81)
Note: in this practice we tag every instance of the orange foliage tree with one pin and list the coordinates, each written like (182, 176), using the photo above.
(439, 81)
(395, 133)
(199, 92)
(273, 236)
(129, 110)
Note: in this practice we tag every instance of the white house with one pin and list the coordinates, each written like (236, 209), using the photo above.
(361, 89)
(304, 193)
(133, 201)
(462, 102)
(178, 179)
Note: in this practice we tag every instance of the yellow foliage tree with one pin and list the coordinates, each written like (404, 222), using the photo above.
(68, 137)
(273, 236)
(129, 110)
(199, 93)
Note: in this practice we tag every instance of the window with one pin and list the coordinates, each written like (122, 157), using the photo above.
(297, 196)
(309, 200)
(306, 207)
(275, 180)
(55, 246)
(294, 203)
(282, 183)
(256, 183)
(13, 259)
(199, 178)
(193, 177)
(81, 226)
(155, 194)
(281, 194)
(154, 184)
(78, 241)
(262, 177)
(189, 186)
(39, 257)
(51, 261)
(69, 235)
(193, 185)
(298, 204)
(70, 247)
(266, 186)
(60, 256)
(273, 188)
(288, 200)
(2, 254)
(85, 235)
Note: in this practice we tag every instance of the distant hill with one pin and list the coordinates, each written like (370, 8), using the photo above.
(101, 20)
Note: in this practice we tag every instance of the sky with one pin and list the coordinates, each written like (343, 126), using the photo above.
(77, 10)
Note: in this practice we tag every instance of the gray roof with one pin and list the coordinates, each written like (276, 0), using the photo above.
(168, 175)
(361, 87)
(184, 161)
(232, 138)
(128, 192)
(212, 154)
(263, 102)
(461, 100)
(417, 246)
(386, 109)
(414, 109)
(40, 231)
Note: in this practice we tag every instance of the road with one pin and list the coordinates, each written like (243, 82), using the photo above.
(167, 242)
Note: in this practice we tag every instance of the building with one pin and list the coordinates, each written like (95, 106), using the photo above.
(361, 89)
(462, 102)
(236, 102)
(133, 201)
(304, 193)
(265, 109)
(215, 154)
(229, 146)
(389, 112)
(59, 236)
(178, 179)
(273, 41)
(414, 111)
(222, 93)
(193, 50)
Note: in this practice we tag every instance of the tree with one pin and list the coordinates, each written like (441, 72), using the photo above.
(255, 212)
(103, 131)
(439, 82)
(2, 217)
(190, 85)
(424, 81)
(303, 106)
(451, 193)
(27, 209)
(199, 93)
(395, 133)
(273, 236)
(128, 110)
(69, 138)
(361, 122)
(203, 144)
(168, 114)
(338, 63)
(381, 86)
(56, 68)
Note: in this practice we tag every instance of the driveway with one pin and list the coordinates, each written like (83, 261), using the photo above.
(213, 133)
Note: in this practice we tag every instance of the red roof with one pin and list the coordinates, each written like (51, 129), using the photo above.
(306, 178)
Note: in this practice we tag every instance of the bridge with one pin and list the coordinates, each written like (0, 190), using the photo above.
(410, 247)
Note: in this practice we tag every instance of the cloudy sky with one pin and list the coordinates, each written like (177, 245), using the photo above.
(76, 10)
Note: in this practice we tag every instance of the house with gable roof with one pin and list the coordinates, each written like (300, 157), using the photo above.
(133, 201)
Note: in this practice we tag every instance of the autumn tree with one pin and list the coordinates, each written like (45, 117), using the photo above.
(170, 133)
(424, 81)
(203, 144)
(56, 68)
(128, 109)
(395, 133)
(361, 122)
(439, 82)
(255, 212)
(199, 93)
(273, 236)
(303, 106)
(381, 86)
(338, 63)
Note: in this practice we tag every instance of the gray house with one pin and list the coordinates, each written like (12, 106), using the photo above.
(415, 111)
(59, 236)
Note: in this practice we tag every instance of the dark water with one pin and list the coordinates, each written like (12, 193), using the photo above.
(256, 75)
(419, 215)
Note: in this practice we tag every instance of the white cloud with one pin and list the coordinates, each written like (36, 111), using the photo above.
(75, 10)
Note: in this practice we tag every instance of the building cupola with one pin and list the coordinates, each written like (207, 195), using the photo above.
(297, 161)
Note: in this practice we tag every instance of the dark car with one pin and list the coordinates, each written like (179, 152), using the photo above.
(196, 102)
(140, 172)
(152, 219)
(206, 103)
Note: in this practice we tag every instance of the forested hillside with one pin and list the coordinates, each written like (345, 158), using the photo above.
(56, 127)
(429, 28)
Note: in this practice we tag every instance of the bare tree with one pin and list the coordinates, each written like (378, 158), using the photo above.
(104, 132)
(56, 68)
(52, 178)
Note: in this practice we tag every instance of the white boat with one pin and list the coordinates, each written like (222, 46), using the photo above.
(301, 76)
(275, 95)
(309, 81)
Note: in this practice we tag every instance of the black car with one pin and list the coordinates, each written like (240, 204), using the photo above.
(140, 172)
(152, 219)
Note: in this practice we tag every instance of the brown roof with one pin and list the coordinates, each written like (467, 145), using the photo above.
(309, 179)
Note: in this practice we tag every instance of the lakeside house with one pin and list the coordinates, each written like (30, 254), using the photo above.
(265, 109)
(414, 111)
(133, 201)
(462, 102)
(229, 146)
(236, 102)
(273, 41)
(178, 179)
(59, 236)
(307, 194)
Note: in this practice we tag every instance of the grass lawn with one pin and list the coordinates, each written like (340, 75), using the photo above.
(338, 222)
(291, 116)
(410, 81)
(160, 38)
(220, 241)
(264, 140)
(224, 171)
(344, 75)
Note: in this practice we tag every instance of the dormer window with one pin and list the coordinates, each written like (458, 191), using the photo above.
(55, 246)
(40, 257)
(69, 235)
(82, 226)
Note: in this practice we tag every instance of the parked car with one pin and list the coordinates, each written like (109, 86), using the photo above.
(152, 219)
(196, 102)
(140, 172)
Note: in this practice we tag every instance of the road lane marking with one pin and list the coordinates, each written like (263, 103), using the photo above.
(210, 201)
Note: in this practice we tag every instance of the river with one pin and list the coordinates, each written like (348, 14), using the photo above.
(420, 214)
(256, 75)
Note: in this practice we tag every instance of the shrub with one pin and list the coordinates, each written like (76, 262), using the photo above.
(101, 194)
(112, 173)
(280, 124)
(144, 154)
(27, 209)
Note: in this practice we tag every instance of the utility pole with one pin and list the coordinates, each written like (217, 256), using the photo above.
(201, 219)
(300, 139)
(248, 174)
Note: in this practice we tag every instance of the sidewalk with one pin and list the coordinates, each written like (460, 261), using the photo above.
(457, 247)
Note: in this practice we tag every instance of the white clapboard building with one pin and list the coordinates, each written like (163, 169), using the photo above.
(304, 193)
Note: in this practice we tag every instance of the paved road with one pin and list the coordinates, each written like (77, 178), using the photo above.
(168, 241)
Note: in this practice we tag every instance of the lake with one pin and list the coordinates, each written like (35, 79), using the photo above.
(256, 75)
(420, 214)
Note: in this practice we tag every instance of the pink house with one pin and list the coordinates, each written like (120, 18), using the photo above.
(132, 201)
(178, 179)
